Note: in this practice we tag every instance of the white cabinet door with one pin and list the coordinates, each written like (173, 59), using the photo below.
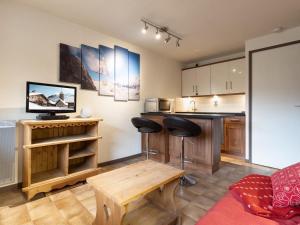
(188, 82)
(220, 78)
(237, 77)
(203, 81)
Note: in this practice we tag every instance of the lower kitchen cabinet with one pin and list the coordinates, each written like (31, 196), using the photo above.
(234, 136)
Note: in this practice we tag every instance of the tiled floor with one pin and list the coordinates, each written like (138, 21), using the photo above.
(77, 205)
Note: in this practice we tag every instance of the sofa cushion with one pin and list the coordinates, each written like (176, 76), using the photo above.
(286, 186)
(230, 211)
(255, 192)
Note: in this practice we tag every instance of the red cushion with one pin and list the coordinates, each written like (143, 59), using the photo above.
(286, 186)
(255, 192)
(230, 211)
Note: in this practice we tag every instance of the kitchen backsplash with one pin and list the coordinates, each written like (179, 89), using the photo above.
(228, 103)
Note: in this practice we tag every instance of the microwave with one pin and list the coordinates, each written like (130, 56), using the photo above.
(158, 105)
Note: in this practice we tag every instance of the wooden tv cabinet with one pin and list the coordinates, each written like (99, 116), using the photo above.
(58, 153)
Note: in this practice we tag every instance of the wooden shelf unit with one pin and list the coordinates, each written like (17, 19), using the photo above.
(59, 153)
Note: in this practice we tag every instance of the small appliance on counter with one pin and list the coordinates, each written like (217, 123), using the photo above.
(159, 105)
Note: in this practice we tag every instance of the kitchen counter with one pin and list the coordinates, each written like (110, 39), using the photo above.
(204, 151)
(196, 115)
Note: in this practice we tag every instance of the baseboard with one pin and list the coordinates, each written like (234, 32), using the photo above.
(119, 160)
(11, 187)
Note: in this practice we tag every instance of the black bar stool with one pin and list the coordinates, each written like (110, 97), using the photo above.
(181, 127)
(146, 126)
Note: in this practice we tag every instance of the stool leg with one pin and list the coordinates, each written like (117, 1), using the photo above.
(186, 179)
(182, 153)
(147, 145)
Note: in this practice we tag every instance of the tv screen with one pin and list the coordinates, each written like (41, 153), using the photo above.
(50, 98)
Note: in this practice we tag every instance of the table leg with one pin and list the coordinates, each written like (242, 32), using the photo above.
(165, 197)
(108, 212)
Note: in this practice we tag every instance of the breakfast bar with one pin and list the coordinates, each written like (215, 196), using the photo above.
(202, 152)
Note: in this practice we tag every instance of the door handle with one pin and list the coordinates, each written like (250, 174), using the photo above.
(297, 106)
(196, 88)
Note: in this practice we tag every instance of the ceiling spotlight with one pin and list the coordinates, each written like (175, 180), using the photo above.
(177, 43)
(145, 28)
(167, 39)
(157, 35)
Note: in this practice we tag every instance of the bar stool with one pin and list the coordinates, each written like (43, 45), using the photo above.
(146, 126)
(181, 127)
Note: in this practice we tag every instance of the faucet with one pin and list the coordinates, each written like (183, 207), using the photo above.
(194, 105)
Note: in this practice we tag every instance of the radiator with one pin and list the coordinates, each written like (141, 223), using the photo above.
(7, 152)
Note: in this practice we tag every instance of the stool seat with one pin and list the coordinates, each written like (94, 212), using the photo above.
(145, 125)
(181, 127)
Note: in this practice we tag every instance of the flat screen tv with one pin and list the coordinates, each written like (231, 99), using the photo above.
(50, 98)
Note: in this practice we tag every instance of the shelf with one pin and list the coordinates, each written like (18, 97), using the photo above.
(42, 176)
(61, 140)
(74, 154)
(78, 168)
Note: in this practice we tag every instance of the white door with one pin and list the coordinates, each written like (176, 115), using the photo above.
(219, 78)
(276, 106)
(203, 81)
(237, 74)
(188, 82)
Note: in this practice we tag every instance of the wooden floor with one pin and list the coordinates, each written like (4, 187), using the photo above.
(76, 205)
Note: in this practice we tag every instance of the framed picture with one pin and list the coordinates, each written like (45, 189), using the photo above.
(134, 77)
(90, 77)
(107, 71)
(121, 74)
(69, 64)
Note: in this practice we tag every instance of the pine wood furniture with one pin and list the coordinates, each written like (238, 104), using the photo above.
(234, 136)
(58, 153)
(116, 190)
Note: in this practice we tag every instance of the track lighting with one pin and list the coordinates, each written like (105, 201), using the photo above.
(157, 35)
(145, 29)
(167, 39)
(160, 30)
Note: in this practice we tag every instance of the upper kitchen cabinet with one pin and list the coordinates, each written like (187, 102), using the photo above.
(228, 77)
(219, 78)
(188, 82)
(237, 76)
(196, 81)
(203, 80)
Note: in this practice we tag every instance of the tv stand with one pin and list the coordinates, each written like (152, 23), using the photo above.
(52, 116)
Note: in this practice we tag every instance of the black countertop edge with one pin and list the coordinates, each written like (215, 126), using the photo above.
(222, 113)
(195, 115)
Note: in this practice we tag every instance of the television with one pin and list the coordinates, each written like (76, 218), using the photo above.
(50, 99)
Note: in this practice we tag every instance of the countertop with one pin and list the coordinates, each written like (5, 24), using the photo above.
(199, 115)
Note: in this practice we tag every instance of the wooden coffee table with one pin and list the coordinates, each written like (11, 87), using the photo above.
(117, 189)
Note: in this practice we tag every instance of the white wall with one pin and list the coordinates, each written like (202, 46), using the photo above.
(262, 42)
(29, 43)
(228, 103)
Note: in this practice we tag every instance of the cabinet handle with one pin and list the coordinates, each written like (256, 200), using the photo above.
(193, 88)
(197, 88)
(226, 85)
(231, 85)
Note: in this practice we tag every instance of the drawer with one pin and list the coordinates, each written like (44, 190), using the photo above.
(235, 119)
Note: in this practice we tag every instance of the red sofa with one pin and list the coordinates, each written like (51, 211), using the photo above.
(229, 211)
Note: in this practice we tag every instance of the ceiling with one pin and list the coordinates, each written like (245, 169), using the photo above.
(209, 27)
